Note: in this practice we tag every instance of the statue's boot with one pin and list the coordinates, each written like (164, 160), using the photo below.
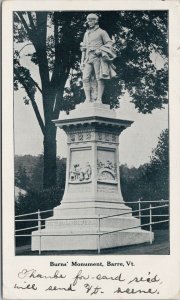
(87, 92)
(100, 90)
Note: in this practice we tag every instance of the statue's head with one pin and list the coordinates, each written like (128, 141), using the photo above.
(92, 20)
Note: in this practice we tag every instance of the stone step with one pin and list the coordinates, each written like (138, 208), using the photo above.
(88, 242)
(91, 224)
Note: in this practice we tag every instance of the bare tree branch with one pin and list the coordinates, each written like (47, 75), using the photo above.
(31, 97)
(24, 47)
(55, 76)
(21, 17)
(38, 116)
(41, 49)
(36, 84)
(31, 21)
(59, 95)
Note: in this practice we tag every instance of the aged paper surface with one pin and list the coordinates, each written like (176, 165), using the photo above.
(94, 276)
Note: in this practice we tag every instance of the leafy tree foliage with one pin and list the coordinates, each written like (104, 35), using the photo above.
(34, 200)
(36, 179)
(43, 199)
(36, 197)
(55, 37)
(31, 167)
(21, 178)
(160, 154)
(151, 180)
(159, 166)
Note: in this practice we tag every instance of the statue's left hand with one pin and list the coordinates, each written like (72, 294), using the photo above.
(82, 65)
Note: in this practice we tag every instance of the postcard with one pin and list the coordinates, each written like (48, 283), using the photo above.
(90, 155)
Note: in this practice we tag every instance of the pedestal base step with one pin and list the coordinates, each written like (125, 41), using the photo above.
(91, 224)
(87, 241)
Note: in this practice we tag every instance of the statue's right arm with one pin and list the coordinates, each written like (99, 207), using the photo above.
(83, 57)
(83, 49)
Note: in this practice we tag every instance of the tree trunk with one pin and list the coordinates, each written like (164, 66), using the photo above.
(49, 175)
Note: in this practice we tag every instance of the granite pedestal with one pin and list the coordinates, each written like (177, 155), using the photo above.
(92, 191)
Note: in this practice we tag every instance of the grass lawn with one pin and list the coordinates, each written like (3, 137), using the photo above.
(160, 246)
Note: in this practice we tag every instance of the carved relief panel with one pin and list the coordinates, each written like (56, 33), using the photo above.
(80, 166)
(106, 166)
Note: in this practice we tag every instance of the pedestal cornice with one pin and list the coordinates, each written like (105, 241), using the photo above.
(92, 120)
(91, 114)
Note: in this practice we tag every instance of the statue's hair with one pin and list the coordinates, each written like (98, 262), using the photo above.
(92, 16)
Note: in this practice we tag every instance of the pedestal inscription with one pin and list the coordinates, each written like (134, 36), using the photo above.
(104, 188)
(85, 188)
